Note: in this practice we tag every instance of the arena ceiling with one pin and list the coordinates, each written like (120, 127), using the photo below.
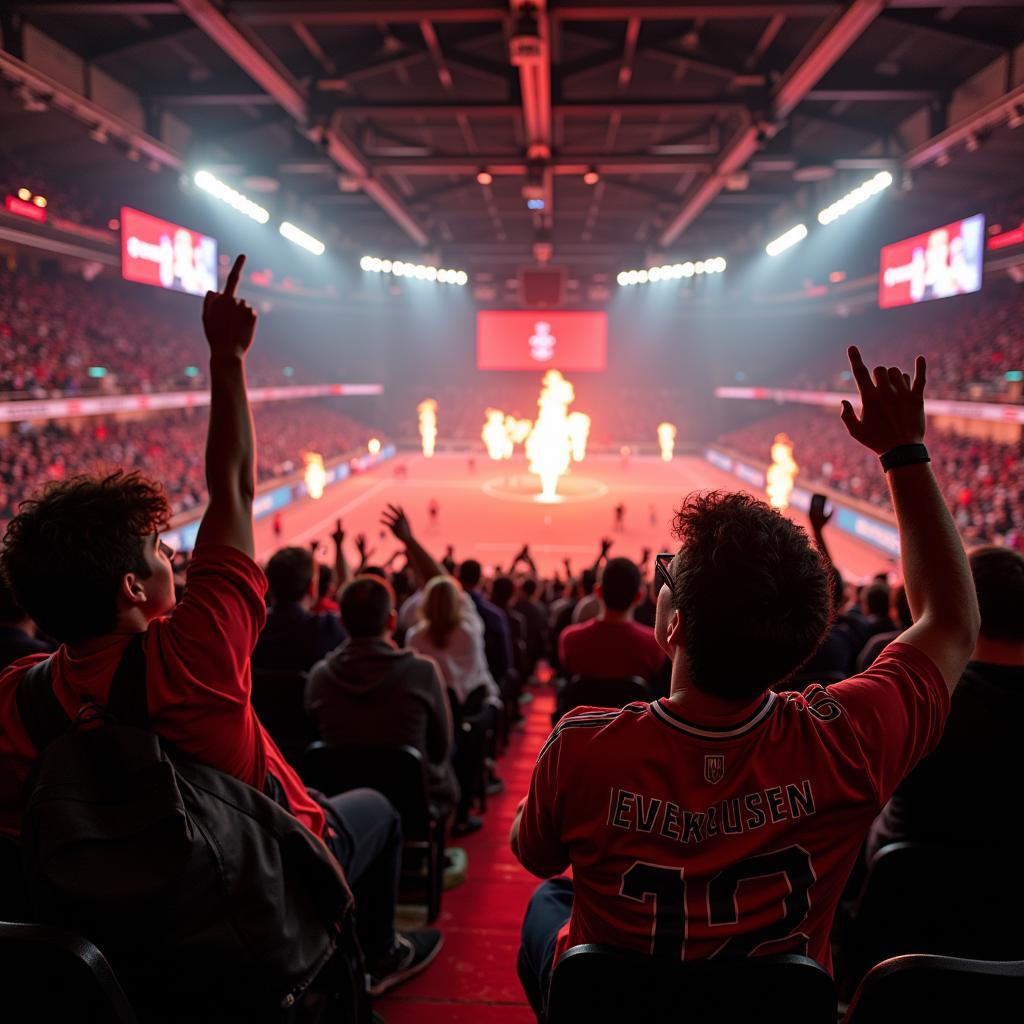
(697, 123)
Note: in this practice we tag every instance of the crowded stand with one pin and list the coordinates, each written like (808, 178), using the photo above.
(980, 478)
(483, 631)
(975, 351)
(63, 335)
(169, 446)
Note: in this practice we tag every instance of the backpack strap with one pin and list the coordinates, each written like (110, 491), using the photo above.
(126, 699)
(40, 711)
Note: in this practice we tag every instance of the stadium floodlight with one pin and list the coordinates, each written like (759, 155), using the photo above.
(243, 204)
(786, 241)
(419, 271)
(671, 271)
(300, 237)
(879, 183)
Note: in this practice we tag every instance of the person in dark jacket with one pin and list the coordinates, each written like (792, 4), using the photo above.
(372, 693)
(294, 637)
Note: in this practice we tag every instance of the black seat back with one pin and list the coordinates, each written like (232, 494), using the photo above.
(51, 974)
(397, 772)
(277, 698)
(598, 983)
(939, 988)
(584, 691)
(908, 904)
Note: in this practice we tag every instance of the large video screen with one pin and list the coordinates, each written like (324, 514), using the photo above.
(541, 340)
(157, 252)
(943, 262)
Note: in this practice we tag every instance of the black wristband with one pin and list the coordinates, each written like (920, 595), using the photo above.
(904, 455)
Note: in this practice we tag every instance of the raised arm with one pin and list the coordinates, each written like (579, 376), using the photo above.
(424, 565)
(230, 325)
(341, 570)
(818, 518)
(937, 576)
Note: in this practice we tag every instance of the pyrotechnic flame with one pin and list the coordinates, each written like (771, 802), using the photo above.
(373, 446)
(316, 475)
(495, 435)
(667, 440)
(428, 425)
(518, 430)
(556, 437)
(781, 473)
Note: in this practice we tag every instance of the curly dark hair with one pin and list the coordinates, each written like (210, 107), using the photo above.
(66, 551)
(753, 594)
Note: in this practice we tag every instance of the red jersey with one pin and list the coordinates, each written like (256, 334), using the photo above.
(695, 841)
(610, 650)
(197, 682)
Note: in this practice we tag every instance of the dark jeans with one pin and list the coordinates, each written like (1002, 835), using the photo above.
(367, 840)
(548, 910)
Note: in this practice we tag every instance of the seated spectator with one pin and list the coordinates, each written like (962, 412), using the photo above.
(17, 631)
(536, 617)
(497, 638)
(371, 693)
(503, 593)
(85, 561)
(325, 590)
(874, 647)
(976, 763)
(450, 632)
(613, 646)
(763, 798)
(294, 638)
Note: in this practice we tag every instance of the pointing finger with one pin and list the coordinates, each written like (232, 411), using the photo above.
(920, 372)
(233, 275)
(860, 371)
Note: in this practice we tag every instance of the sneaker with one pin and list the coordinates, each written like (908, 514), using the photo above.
(413, 952)
(468, 826)
(456, 864)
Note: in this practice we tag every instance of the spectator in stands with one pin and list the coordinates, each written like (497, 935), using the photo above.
(725, 776)
(874, 647)
(17, 631)
(589, 605)
(613, 646)
(497, 637)
(450, 632)
(503, 593)
(536, 617)
(369, 692)
(976, 764)
(294, 638)
(85, 561)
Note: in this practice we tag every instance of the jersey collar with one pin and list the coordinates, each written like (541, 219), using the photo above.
(663, 711)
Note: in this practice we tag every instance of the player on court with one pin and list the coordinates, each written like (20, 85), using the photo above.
(433, 511)
(723, 821)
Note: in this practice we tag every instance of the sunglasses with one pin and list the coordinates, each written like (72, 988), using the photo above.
(662, 575)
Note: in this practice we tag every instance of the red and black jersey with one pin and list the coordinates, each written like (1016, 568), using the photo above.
(697, 841)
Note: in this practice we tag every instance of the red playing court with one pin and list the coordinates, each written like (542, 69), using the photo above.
(486, 513)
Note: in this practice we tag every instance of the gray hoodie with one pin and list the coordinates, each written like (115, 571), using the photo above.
(371, 693)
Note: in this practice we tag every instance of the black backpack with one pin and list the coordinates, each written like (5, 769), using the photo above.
(205, 894)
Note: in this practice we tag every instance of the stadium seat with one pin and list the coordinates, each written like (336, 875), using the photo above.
(583, 691)
(277, 698)
(398, 773)
(907, 904)
(601, 984)
(939, 988)
(48, 974)
(476, 722)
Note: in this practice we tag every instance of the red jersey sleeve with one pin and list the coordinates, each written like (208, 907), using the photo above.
(897, 710)
(541, 850)
(200, 696)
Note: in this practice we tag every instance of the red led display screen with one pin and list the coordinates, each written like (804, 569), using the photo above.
(942, 262)
(541, 340)
(160, 253)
